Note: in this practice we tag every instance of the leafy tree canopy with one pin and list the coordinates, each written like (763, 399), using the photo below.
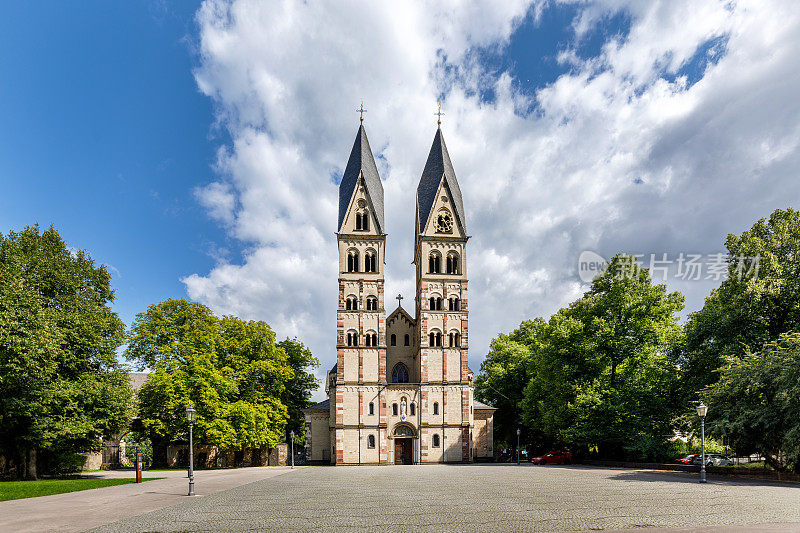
(503, 376)
(230, 370)
(61, 387)
(753, 306)
(600, 374)
(756, 402)
(297, 395)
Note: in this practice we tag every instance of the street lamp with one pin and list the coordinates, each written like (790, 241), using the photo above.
(702, 409)
(291, 437)
(190, 415)
(518, 432)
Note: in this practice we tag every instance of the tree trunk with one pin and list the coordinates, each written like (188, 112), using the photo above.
(774, 462)
(30, 464)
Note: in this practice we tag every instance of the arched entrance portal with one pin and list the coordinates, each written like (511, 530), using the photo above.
(403, 444)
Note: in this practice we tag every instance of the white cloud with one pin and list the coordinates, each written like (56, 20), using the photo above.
(623, 153)
(219, 200)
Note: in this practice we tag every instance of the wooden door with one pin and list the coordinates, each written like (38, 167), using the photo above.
(402, 451)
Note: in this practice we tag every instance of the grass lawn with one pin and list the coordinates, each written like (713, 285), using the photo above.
(14, 490)
(754, 464)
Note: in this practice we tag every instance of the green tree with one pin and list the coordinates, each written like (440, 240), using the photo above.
(604, 377)
(61, 387)
(230, 370)
(756, 402)
(298, 391)
(503, 377)
(753, 306)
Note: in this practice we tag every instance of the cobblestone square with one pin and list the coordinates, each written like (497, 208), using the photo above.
(481, 497)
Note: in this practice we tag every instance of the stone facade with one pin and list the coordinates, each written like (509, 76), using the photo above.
(401, 390)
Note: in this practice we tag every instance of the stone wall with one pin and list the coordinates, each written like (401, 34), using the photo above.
(483, 434)
(211, 457)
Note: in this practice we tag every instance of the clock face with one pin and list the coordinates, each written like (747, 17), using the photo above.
(444, 223)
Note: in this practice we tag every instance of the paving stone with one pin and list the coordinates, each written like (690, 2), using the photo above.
(476, 498)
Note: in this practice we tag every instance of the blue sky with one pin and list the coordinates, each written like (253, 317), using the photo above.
(191, 147)
(105, 135)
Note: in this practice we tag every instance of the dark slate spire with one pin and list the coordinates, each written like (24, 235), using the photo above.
(361, 163)
(438, 165)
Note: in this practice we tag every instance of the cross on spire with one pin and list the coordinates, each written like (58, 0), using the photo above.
(361, 110)
(399, 297)
(439, 114)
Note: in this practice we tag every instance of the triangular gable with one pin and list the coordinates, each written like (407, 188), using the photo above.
(400, 312)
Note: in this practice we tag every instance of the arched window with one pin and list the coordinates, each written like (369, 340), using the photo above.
(351, 303)
(436, 408)
(452, 263)
(370, 261)
(455, 339)
(371, 441)
(393, 340)
(371, 408)
(407, 340)
(402, 430)
(371, 339)
(400, 373)
(454, 303)
(352, 261)
(352, 338)
(435, 303)
(362, 221)
(372, 303)
(435, 440)
(412, 409)
(435, 338)
(394, 409)
(435, 263)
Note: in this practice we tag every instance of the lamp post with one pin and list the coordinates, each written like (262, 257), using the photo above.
(702, 410)
(291, 437)
(518, 432)
(190, 415)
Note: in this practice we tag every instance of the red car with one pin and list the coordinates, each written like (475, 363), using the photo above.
(688, 459)
(553, 458)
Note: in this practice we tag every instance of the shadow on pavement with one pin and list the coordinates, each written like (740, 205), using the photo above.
(682, 477)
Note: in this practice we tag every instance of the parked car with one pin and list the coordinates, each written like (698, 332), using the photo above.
(713, 459)
(721, 460)
(553, 458)
(688, 459)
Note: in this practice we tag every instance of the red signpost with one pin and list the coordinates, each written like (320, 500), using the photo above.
(138, 468)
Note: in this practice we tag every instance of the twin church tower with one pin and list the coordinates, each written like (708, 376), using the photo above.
(401, 391)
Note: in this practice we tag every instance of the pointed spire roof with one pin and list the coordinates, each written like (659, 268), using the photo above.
(361, 163)
(438, 167)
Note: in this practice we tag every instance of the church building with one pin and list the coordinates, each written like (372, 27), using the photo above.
(401, 391)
